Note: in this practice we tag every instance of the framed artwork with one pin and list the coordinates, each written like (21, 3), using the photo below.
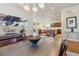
(9, 20)
(71, 22)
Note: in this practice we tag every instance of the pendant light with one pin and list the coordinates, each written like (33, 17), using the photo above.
(26, 7)
(41, 5)
(34, 8)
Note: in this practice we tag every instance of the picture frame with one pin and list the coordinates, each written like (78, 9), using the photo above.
(71, 22)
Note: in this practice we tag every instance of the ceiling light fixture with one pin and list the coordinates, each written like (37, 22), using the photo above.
(41, 5)
(26, 7)
(34, 8)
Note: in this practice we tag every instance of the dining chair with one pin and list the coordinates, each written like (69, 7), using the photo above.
(63, 48)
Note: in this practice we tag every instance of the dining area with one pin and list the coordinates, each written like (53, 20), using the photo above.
(42, 32)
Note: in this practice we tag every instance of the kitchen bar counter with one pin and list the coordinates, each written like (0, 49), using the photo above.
(47, 46)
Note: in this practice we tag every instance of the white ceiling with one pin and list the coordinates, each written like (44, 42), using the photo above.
(47, 14)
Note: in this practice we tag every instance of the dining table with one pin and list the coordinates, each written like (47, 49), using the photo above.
(48, 46)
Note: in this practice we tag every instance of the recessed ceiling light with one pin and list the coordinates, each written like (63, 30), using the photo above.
(41, 5)
(27, 8)
(34, 9)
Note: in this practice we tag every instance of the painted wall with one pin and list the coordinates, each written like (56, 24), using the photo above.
(70, 12)
(16, 10)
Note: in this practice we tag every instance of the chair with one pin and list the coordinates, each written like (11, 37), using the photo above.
(63, 48)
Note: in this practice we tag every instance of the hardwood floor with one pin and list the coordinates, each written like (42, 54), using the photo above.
(73, 46)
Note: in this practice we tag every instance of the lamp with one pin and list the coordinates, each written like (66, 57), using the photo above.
(41, 5)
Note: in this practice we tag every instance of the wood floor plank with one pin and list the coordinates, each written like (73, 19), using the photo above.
(73, 46)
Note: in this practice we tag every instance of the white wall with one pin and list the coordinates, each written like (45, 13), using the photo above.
(70, 12)
(16, 10)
